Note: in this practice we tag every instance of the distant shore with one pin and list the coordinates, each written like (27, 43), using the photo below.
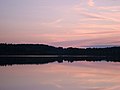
(41, 49)
(11, 54)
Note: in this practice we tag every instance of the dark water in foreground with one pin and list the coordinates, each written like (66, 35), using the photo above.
(78, 75)
(44, 59)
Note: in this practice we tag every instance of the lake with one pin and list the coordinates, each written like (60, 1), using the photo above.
(79, 75)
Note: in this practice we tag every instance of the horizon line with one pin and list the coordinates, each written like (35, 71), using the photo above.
(96, 46)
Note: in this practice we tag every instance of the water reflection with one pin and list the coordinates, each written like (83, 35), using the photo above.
(11, 60)
(63, 76)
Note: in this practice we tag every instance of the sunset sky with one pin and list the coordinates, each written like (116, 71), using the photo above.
(76, 23)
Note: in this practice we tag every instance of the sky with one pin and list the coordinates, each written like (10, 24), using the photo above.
(66, 23)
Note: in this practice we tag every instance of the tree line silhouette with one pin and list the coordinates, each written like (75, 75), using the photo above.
(8, 52)
(41, 49)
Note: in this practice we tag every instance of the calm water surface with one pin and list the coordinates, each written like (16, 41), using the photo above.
(63, 76)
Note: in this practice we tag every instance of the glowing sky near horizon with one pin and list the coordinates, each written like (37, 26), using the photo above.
(77, 23)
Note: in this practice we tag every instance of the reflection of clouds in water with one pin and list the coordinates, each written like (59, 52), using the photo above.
(92, 74)
(65, 76)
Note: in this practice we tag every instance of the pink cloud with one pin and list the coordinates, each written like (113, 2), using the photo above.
(100, 14)
(91, 3)
(109, 8)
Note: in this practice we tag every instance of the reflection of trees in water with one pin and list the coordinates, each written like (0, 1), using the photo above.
(110, 54)
(11, 61)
